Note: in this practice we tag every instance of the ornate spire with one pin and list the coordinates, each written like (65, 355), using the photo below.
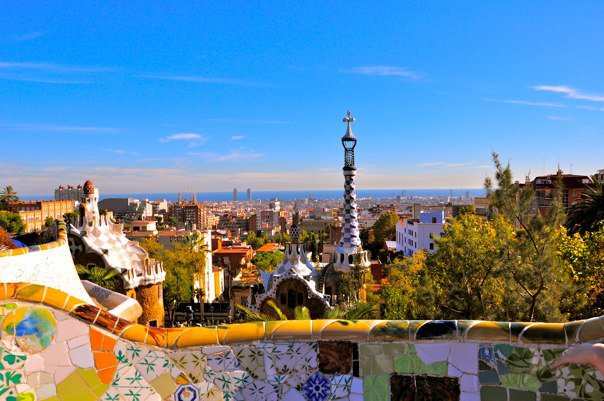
(350, 244)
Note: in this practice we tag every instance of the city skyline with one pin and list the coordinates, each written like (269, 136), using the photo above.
(222, 96)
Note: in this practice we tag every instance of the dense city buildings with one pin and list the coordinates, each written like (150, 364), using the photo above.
(191, 215)
(35, 213)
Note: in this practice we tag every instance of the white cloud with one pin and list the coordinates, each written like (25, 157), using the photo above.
(384, 71)
(558, 118)
(49, 72)
(28, 36)
(570, 92)
(192, 138)
(237, 137)
(240, 156)
(448, 165)
(116, 151)
(27, 127)
(202, 80)
(526, 103)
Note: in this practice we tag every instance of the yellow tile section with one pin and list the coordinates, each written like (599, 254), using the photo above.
(292, 330)
(73, 302)
(135, 332)
(270, 327)
(317, 326)
(31, 293)
(164, 385)
(346, 329)
(3, 291)
(244, 332)
(592, 328)
(488, 330)
(197, 336)
(75, 388)
(54, 297)
(12, 289)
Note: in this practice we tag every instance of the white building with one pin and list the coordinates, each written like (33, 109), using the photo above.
(415, 234)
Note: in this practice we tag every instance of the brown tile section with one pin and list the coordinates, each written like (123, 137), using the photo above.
(335, 357)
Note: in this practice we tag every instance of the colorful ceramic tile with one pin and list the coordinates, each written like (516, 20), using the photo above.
(252, 360)
(28, 329)
(186, 392)
(259, 390)
(192, 363)
(376, 388)
(316, 388)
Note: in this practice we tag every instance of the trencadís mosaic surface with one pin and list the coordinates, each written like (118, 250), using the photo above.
(56, 347)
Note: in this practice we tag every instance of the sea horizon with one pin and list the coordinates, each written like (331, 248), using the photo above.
(324, 194)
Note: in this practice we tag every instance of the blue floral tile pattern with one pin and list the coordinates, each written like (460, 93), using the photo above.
(316, 388)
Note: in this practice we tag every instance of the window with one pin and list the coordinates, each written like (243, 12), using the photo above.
(431, 245)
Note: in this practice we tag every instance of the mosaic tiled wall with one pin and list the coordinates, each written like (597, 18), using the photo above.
(56, 348)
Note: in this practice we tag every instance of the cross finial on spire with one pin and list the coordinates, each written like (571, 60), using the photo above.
(348, 119)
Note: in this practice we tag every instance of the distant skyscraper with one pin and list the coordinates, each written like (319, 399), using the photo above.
(249, 195)
(235, 194)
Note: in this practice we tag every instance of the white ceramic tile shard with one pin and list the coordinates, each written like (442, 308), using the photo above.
(82, 357)
(46, 391)
(79, 341)
(470, 397)
(71, 328)
(434, 352)
(469, 384)
(464, 357)
(357, 386)
(293, 395)
(34, 363)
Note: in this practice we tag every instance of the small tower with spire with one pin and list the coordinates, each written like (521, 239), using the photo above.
(350, 252)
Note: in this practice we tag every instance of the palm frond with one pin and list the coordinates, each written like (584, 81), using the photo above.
(302, 313)
(252, 316)
(278, 311)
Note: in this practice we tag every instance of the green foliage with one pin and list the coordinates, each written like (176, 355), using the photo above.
(384, 229)
(516, 266)
(71, 217)
(182, 266)
(7, 195)
(11, 222)
(302, 313)
(254, 241)
(106, 278)
(267, 261)
(48, 221)
(587, 215)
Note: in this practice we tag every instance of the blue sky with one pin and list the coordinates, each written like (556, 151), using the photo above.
(152, 97)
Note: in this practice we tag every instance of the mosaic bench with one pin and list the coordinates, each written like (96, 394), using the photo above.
(56, 347)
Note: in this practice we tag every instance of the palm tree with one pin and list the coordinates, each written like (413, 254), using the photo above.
(106, 278)
(361, 310)
(7, 195)
(587, 215)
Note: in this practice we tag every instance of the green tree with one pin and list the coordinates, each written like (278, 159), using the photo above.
(267, 261)
(587, 215)
(181, 266)
(583, 259)
(530, 262)
(11, 222)
(48, 221)
(254, 241)
(467, 267)
(71, 217)
(8, 195)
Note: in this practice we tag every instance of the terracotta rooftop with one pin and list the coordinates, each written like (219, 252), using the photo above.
(270, 247)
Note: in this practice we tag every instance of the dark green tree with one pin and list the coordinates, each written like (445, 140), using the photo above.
(11, 222)
(587, 215)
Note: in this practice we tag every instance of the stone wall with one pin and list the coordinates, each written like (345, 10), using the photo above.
(57, 347)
